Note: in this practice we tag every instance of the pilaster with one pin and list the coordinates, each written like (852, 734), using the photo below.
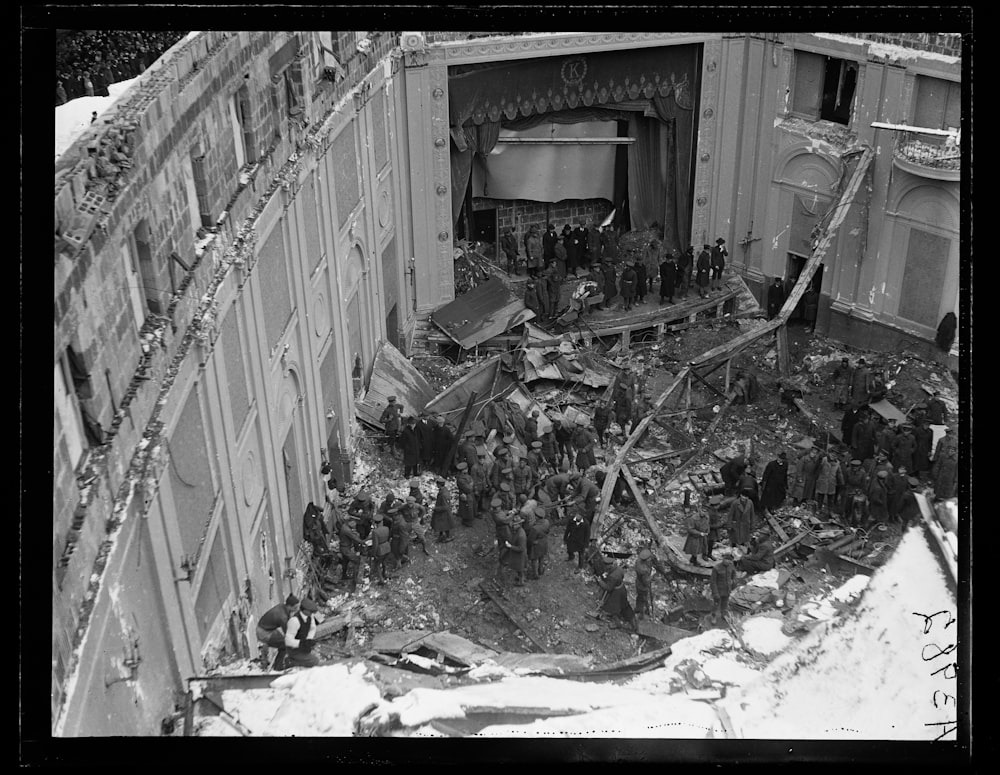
(702, 216)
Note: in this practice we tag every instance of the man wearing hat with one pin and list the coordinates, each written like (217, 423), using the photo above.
(860, 384)
(531, 426)
(909, 509)
(531, 297)
(425, 434)
(480, 488)
(602, 418)
(564, 437)
(390, 418)
(702, 268)
(923, 438)
(444, 440)
(945, 470)
(696, 527)
(741, 520)
(774, 483)
(350, 547)
(628, 284)
(381, 546)
(829, 478)
(539, 540)
(516, 550)
(937, 412)
(761, 557)
(863, 437)
(717, 262)
(501, 460)
(775, 298)
(387, 502)
(362, 509)
(442, 519)
(575, 537)
(732, 471)
(585, 496)
(583, 440)
(399, 539)
(616, 603)
(856, 509)
(409, 442)
(502, 528)
(644, 584)
(506, 494)
(903, 449)
(466, 494)
(467, 452)
(299, 637)
(272, 625)
(855, 481)
(722, 581)
(536, 463)
(878, 497)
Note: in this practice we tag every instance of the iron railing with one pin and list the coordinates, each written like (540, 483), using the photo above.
(927, 150)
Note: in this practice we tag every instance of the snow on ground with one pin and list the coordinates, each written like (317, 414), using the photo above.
(73, 117)
(651, 716)
(763, 635)
(863, 675)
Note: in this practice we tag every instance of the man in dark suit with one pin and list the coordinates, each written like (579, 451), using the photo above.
(775, 298)
(579, 240)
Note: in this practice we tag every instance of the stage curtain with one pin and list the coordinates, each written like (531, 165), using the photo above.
(468, 143)
(678, 121)
(646, 176)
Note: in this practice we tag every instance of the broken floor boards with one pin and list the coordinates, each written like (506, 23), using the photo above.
(514, 618)
(393, 375)
(663, 633)
(480, 314)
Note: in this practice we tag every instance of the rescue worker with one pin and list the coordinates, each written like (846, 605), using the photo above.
(741, 520)
(575, 538)
(480, 486)
(945, 471)
(466, 494)
(502, 519)
(615, 602)
(531, 426)
(717, 262)
(564, 438)
(524, 477)
(442, 519)
(602, 417)
(444, 440)
(855, 481)
(586, 495)
(761, 557)
(539, 543)
(549, 449)
(380, 547)
(721, 582)
(583, 440)
(696, 527)
(300, 634)
(409, 442)
(271, 627)
(391, 419)
(644, 584)
(350, 548)
(362, 509)
(516, 556)
(506, 494)
(399, 539)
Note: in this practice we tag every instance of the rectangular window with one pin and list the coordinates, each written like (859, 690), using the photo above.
(201, 191)
(68, 413)
(824, 87)
(187, 170)
(937, 103)
(133, 279)
(234, 118)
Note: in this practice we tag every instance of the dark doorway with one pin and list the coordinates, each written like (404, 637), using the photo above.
(485, 226)
(392, 326)
(838, 90)
(794, 267)
(295, 507)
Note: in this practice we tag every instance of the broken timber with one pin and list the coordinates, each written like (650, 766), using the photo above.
(514, 618)
(672, 557)
(789, 544)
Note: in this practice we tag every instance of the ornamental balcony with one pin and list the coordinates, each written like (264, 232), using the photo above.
(930, 156)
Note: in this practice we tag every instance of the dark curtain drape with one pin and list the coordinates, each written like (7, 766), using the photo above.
(468, 143)
(659, 169)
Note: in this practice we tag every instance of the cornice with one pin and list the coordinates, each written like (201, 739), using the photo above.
(554, 44)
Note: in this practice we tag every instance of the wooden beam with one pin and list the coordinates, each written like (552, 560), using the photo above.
(789, 544)
(706, 383)
(661, 456)
(777, 528)
(514, 618)
(611, 478)
(781, 345)
(461, 428)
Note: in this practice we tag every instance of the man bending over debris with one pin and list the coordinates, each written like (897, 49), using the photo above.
(272, 625)
(731, 471)
(615, 602)
(761, 558)
(299, 637)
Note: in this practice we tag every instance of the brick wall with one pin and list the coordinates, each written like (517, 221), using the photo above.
(521, 214)
(938, 42)
(178, 109)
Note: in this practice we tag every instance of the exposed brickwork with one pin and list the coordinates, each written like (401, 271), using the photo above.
(521, 214)
(949, 43)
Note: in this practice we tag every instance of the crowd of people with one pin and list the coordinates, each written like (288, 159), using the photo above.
(88, 62)
(589, 255)
(543, 475)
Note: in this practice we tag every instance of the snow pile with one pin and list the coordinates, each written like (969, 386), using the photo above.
(73, 117)
(489, 671)
(648, 716)
(318, 701)
(686, 667)
(763, 635)
(863, 675)
(767, 580)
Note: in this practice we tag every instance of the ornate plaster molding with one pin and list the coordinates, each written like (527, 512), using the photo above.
(437, 76)
(553, 44)
(707, 126)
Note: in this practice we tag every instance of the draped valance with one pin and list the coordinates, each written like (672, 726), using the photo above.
(507, 90)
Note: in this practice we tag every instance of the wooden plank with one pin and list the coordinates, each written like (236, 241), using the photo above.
(514, 618)
(789, 544)
(661, 456)
(461, 429)
(393, 374)
(706, 383)
(329, 626)
(457, 648)
(784, 358)
(777, 528)
(664, 633)
(612, 474)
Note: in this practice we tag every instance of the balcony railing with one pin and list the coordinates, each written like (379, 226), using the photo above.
(932, 151)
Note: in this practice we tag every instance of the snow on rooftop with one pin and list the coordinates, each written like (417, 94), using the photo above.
(73, 117)
(867, 666)
(889, 50)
